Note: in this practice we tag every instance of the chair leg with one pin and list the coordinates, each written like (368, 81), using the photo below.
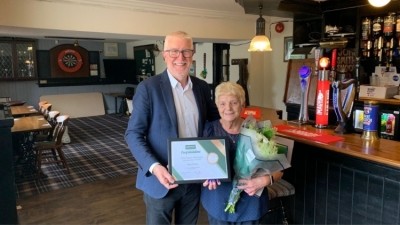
(53, 151)
(63, 159)
(38, 163)
(284, 219)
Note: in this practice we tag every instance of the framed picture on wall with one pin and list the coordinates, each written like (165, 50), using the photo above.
(192, 71)
(110, 49)
(287, 48)
(293, 88)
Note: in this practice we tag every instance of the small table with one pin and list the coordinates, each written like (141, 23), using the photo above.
(23, 110)
(116, 96)
(15, 103)
(23, 131)
(30, 124)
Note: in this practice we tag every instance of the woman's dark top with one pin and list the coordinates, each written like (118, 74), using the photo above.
(214, 201)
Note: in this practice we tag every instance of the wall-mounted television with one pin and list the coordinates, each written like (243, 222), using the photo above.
(120, 70)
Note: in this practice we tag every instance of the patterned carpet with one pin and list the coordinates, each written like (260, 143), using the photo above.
(97, 151)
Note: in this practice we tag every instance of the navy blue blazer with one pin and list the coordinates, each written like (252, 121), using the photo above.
(153, 121)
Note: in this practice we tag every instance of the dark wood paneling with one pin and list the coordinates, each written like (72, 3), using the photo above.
(333, 188)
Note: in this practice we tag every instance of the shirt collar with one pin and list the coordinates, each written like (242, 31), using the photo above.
(175, 83)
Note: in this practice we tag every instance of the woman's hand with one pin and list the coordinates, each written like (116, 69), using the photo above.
(254, 185)
(212, 184)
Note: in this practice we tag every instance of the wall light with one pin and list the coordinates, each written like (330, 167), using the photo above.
(378, 3)
(260, 43)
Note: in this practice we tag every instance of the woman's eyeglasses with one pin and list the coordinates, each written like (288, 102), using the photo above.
(173, 53)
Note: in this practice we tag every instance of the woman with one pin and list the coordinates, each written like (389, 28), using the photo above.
(230, 100)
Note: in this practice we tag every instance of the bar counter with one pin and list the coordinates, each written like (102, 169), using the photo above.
(386, 152)
(351, 181)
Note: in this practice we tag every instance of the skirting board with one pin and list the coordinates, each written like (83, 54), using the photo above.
(77, 105)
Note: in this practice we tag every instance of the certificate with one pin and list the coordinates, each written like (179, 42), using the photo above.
(194, 160)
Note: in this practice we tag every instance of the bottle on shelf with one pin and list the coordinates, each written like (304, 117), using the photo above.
(398, 27)
(388, 25)
(366, 40)
(378, 38)
(388, 31)
(377, 26)
(397, 38)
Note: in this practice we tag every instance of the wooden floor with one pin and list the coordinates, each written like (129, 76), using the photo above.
(113, 201)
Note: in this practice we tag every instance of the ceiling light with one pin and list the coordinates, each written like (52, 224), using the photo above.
(260, 43)
(378, 3)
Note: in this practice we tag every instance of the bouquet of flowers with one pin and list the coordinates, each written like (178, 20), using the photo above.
(257, 154)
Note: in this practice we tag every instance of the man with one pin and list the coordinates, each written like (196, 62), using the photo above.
(168, 105)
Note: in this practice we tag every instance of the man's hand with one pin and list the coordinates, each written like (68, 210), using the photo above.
(164, 177)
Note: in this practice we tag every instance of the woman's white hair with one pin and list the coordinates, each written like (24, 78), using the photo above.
(226, 88)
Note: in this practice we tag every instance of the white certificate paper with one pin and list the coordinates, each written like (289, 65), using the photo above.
(194, 160)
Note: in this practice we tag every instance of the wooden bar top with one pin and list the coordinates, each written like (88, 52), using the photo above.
(383, 151)
(388, 101)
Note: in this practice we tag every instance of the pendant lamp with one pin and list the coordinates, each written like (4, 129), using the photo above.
(378, 3)
(260, 43)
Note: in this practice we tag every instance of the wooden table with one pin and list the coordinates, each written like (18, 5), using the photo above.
(23, 110)
(24, 131)
(30, 124)
(15, 103)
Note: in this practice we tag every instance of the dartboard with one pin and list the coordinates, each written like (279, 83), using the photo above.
(69, 60)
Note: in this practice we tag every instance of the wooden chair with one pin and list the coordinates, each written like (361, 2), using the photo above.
(63, 119)
(51, 151)
(48, 135)
(130, 106)
(52, 117)
(46, 108)
(41, 104)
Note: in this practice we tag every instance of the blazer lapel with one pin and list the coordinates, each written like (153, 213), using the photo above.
(166, 91)
(197, 95)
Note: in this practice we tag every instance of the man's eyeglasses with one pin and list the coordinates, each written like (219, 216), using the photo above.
(187, 53)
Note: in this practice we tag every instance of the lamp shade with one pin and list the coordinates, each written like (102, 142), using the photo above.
(378, 3)
(260, 43)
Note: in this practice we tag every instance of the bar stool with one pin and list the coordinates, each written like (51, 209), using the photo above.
(281, 189)
(277, 192)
